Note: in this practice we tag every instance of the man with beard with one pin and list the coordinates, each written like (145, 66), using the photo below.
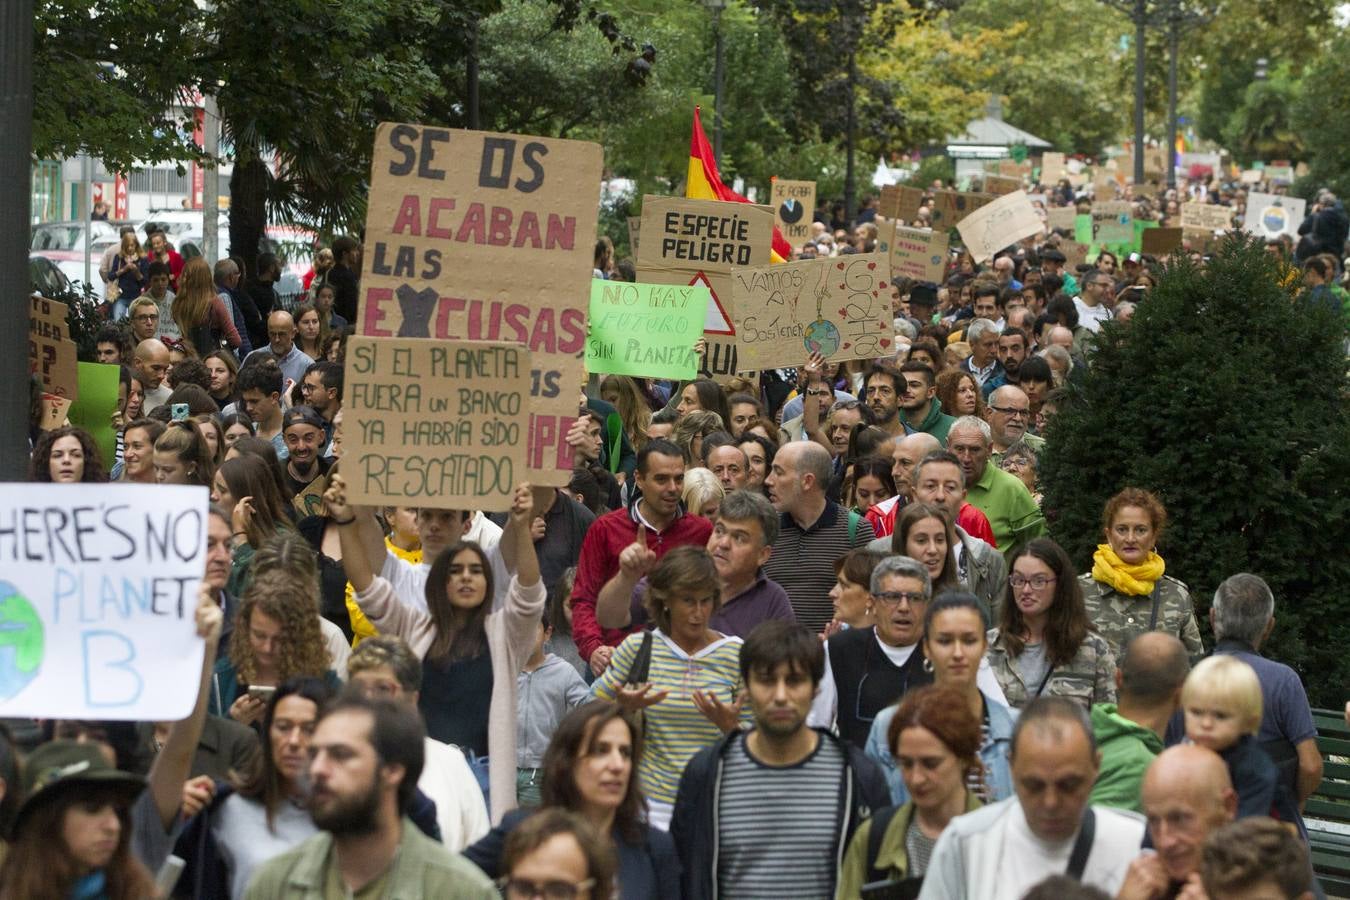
(365, 759)
(1012, 351)
(918, 402)
(1008, 413)
(306, 470)
(759, 813)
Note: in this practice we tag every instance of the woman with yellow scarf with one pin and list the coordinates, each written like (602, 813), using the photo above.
(1127, 592)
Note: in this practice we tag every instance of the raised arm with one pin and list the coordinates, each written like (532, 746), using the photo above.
(517, 543)
(359, 534)
(613, 608)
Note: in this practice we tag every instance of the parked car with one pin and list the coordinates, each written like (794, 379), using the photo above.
(46, 278)
(71, 235)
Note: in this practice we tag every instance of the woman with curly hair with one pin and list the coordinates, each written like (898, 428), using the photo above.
(277, 632)
(959, 394)
(66, 455)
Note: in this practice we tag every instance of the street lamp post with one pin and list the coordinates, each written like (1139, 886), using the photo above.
(716, 7)
(16, 185)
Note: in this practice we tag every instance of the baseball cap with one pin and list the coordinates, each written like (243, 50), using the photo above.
(302, 415)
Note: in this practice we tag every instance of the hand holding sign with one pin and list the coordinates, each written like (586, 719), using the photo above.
(335, 499)
(522, 506)
(210, 617)
(637, 560)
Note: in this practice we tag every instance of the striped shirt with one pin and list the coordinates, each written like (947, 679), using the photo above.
(675, 729)
(803, 561)
(778, 827)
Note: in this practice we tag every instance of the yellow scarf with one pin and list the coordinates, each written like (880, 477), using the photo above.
(1132, 581)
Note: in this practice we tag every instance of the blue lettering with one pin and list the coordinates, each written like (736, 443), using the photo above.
(67, 586)
(109, 678)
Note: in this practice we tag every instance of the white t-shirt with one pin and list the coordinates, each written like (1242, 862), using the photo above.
(1091, 317)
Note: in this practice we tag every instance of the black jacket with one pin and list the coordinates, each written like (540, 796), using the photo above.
(345, 292)
(694, 825)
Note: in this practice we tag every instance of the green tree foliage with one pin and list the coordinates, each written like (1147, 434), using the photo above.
(1325, 133)
(1227, 397)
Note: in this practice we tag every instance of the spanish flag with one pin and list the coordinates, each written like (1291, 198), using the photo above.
(705, 183)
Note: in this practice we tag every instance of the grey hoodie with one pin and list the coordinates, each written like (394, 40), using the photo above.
(544, 696)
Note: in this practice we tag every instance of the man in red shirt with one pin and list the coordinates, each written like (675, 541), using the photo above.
(631, 539)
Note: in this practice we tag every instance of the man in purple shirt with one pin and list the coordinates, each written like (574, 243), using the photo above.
(740, 544)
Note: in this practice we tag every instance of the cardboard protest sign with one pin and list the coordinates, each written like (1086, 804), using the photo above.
(52, 356)
(1075, 254)
(54, 410)
(1280, 174)
(900, 201)
(634, 233)
(1112, 222)
(645, 329)
(998, 185)
(992, 227)
(1206, 216)
(697, 242)
(1061, 217)
(1052, 168)
(950, 207)
(98, 600)
(1251, 176)
(1161, 241)
(478, 236)
(443, 424)
(917, 253)
(839, 308)
(1200, 239)
(95, 406)
(1271, 215)
(1013, 169)
(794, 203)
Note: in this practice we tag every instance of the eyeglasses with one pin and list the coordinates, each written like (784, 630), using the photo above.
(893, 598)
(1039, 582)
(526, 889)
(1012, 413)
(148, 317)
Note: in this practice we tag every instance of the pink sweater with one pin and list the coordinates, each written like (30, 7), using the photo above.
(511, 632)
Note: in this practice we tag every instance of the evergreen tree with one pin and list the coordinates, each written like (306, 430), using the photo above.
(1226, 396)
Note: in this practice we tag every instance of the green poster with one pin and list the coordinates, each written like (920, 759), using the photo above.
(94, 409)
(647, 330)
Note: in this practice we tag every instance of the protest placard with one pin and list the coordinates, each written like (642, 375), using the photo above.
(992, 227)
(634, 234)
(1061, 217)
(697, 242)
(98, 600)
(1280, 174)
(646, 330)
(900, 201)
(478, 236)
(443, 424)
(1271, 215)
(1199, 216)
(950, 207)
(54, 410)
(1252, 176)
(52, 356)
(917, 253)
(1112, 222)
(794, 203)
(998, 185)
(95, 405)
(1161, 241)
(1075, 254)
(1052, 168)
(1013, 169)
(839, 308)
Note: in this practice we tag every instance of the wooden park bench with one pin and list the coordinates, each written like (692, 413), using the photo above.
(1327, 812)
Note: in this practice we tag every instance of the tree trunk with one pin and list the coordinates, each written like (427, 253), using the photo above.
(248, 208)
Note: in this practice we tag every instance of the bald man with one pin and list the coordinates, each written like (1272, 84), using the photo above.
(905, 453)
(1187, 795)
(813, 531)
(151, 361)
(1129, 733)
(281, 347)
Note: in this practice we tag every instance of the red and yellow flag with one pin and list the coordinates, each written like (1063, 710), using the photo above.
(705, 183)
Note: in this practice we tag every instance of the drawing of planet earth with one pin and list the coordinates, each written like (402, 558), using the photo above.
(21, 641)
(822, 337)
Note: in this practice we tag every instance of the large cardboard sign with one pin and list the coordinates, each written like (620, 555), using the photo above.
(917, 253)
(473, 236)
(900, 201)
(1075, 254)
(839, 308)
(698, 242)
(1160, 241)
(1197, 216)
(98, 598)
(994, 226)
(443, 424)
(52, 355)
(1061, 217)
(645, 329)
(1112, 222)
(998, 185)
(794, 204)
(1271, 215)
(950, 207)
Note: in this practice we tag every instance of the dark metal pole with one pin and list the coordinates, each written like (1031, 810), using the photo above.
(717, 85)
(850, 189)
(1139, 22)
(1173, 29)
(16, 183)
(471, 79)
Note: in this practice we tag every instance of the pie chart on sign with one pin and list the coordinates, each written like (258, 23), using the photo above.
(791, 211)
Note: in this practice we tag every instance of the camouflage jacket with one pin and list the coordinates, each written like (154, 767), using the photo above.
(1090, 677)
(1119, 617)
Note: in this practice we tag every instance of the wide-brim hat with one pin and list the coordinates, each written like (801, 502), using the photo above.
(57, 768)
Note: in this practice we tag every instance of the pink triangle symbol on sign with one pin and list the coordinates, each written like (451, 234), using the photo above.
(717, 321)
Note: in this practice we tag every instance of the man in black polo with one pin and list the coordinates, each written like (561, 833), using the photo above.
(814, 531)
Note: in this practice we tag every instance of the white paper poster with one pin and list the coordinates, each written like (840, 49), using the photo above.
(1271, 215)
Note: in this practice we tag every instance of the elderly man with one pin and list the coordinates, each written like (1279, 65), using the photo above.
(905, 455)
(814, 531)
(281, 347)
(1187, 794)
(1048, 828)
(1008, 413)
(1130, 732)
(247, 321)
(983, 360)
(1012, 512)
(1243, 615)
(729, 463)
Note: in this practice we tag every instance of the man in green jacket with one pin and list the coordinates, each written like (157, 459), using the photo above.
(366, 756)
(1129, 734)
